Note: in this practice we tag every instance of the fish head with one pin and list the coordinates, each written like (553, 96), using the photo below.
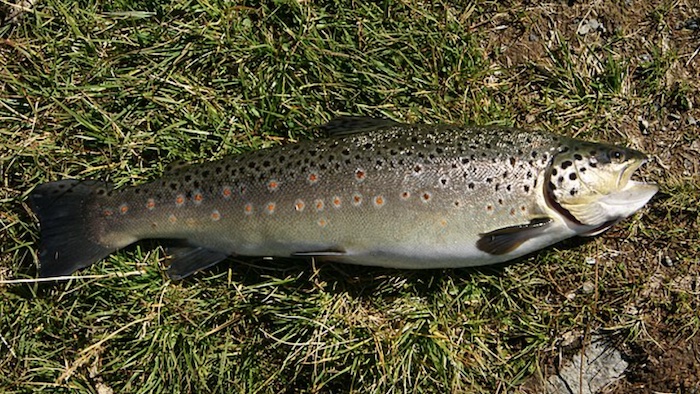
(592, 184)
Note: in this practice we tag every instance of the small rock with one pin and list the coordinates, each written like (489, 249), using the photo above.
(674, 116)
(588, 287)
(599, 366)
(693, 24)
(533, 37)
(691, 120)
(643, 125)
(667, 261)
(583, 29)
(594, 25)
(590, 260)
(571, 296)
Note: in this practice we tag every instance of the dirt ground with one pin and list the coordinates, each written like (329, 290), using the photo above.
(665, 354)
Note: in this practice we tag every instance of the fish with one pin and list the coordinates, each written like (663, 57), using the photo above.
(373, 192)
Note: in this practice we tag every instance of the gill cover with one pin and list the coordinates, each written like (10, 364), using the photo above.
(590, 184)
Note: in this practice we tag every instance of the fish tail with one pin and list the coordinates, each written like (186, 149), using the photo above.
(68, 242)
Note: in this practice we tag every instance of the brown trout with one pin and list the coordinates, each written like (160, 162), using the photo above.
(375, 192)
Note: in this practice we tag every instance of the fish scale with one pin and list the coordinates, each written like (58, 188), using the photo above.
(376, 192)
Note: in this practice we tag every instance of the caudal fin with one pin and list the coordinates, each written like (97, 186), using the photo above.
(67, 243)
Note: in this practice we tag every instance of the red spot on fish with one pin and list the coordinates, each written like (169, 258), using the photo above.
(226, 192)
(405, 195)
(322, 222)
(427, 196)
(124, 208)
(360, 174)
(319, 205)
(198, 198)
(215, 215)
(356, 199)
(378, 201)
(336, 202)
(107, 212)
(313, 178)
(179, 200)
(512, 212)
(299, 205)
(489, 208)
(150, 204)
(271, 208)
(172, 218)
(273, 185)
(248, 209)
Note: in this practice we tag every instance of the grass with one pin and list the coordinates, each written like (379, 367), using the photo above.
(91, 90)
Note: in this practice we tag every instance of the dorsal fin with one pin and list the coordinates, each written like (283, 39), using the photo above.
(175, 167)
(346, 125)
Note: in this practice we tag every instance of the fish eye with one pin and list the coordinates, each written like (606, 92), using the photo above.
(617, 155)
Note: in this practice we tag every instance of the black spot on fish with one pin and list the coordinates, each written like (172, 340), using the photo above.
(174, 186)
(554, 171)
(251, 164)
(573, 192)
(471, 185)
(188, 178)
(566, 164)
(578, 157)
(534, 154)
(509, 187)
(593, 165)
(266, 163)
(526, 188)
(465, 160)
(439, 150)
(197, 185)
(489, 180)
(560, 180)
(572, 176)
(512, 161)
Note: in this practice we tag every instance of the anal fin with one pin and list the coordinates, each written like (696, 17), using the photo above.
(507, 239)
(186, 260)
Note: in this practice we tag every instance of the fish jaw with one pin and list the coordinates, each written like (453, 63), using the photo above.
(629, 200)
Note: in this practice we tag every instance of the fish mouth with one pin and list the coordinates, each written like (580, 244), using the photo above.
(631, 195)
(624, 180)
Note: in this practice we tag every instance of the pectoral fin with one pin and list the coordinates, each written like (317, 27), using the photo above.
(320, 253)
(186, 260)
(506, 240)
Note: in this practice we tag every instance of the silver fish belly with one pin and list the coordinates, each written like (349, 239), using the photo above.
(375, 192)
